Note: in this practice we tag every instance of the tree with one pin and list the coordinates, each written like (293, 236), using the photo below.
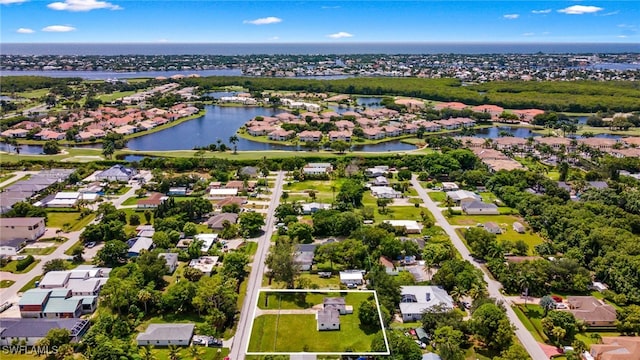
(514, 352)
(448, 342)
(401, 347)
(58, 337)
(233, 139)
(217, 295)
(439, 315)
(174, 352)
(251, 223)
(388, 290)
(195, 352)
(147, 216)
(404, 175)
(284, 196)
(235, 265)
(179, 296)
(189, 229)
(282, 265)
(339, 146)
(192, 274)
(287, 209)
(114, 253)
(152, 267)
(301, 232)
(51, 147)
(161, 240)
(146, 353)
(368, 315)
(481, 242)
(108, 149)
(547, 303)
(351, 192)
(54, 265)
(628, 321)
(134, 219)
(492, 327)
(564, 320)
(383, 203)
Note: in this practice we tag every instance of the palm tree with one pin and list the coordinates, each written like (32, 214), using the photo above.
(285, 196)
(233, 139)
(174, 352)
(194, 352)
(144, 296)
(456, 294)
(488, 143)
(597, 338)
(146, 353)
(477, 292)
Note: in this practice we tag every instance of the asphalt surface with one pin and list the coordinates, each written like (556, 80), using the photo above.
(243, 332)
(525, 337)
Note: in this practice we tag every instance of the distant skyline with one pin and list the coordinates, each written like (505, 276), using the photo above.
(205, 21)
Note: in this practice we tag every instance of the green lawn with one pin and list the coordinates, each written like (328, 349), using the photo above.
(401, 213)
(133, 200)
(438, 196)
(107, 98)
(185, 353)
(296, 333)
(31, 284)
(11, 267)
(531, 318)
(322, 188)
(6, 283)
(506, 222)
(301, 300)
(322, 283)
(57, 219)
(39, 251)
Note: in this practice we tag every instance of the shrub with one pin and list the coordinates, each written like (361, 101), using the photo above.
(24, 263)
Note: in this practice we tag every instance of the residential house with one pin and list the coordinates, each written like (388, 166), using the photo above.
(204, 264)
(345, 125)
(177, 191)
(117, 173)
(207, 241)
(65, 199)
(337, 303)
(374, 133)
(50, 303)
(328, 320)
(216, 222)
(344, 135)
(166, 334)
(462, 196)
(10, 247)
(353, 277)
(311, 208)
(151, 202)
(231, 200)
(409, 226)
(391, 131)
(317, 169)
(304, 256)
(310, 136)
(281, 135)
(616, 348)
(376, 171)
(518, 227)
(15, 133)
(49, 135)
(21, 228)
(222, 193)
(381, 181)
(385, 192)
(388, 265)
(476, 207)
(494, 110)
(172, 261)
(527, 115)
(31, 331)
(138, 245)
(416, 299)
(450, 105)
(592, 311)
(449, 186)
(248, 171)
(492, 228)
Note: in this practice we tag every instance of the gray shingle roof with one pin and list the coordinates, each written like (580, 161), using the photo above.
(22, 327)
(167, 332)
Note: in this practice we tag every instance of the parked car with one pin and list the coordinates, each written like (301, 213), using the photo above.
(421, 344)
(352, 286)
(91, 244)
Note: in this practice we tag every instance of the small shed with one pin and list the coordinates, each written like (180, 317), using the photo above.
(519, 228)
(492, 228)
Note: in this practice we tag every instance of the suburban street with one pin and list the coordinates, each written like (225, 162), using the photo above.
(493, 286)
(243, 332)
(11, 293)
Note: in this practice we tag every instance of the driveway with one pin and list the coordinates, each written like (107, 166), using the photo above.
(525, 337)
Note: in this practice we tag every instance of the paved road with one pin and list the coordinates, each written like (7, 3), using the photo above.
(525, 337)
(241, 339)
(11, 293)
(16, 176)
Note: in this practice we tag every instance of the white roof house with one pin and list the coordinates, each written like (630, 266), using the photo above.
(410, 226)
(449, 186)
(204, 263)
(222, 193)
(64, 199)
(463, 195)
(351, 277)
(310, 208)
(385, 192)
(116, 173)
(141, 243)
(416, 299)
(166, 334)
(207, 240)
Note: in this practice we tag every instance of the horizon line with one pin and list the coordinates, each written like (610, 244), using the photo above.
(321, 42)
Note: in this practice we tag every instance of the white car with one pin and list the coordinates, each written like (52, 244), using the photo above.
(421, 344)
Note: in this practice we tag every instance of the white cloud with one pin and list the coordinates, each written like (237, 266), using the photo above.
(82, 5)
(511, 16)
(58, 28)
(329, 7)
(545, 11)
(25, 31)
(622, 36)
(340, 35)
(274, 38)
(263, 21)
(528, 34)
(7, 2)
(580, 9)
(611, 13)
(162, 40)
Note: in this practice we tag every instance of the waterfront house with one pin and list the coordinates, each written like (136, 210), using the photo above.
(281, 135)
(344, 135)
(310, 136)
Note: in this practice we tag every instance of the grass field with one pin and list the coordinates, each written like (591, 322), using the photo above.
(11, 267)
(31, 284)
(506, 223)
(6, 283)
(438, 196)
(133, 200)
(39, 251)
(278, 332)
(59, 219)
(114, 96)
(185, 353)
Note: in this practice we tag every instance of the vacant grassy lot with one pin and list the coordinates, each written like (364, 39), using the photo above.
(185, 353)
(39, 251)
(322, 283)
(295, 333)
(11, 267)
(438, 196)
(323, 189)
(59, 219)
(302, 300)
(506, 223)
(133, 200)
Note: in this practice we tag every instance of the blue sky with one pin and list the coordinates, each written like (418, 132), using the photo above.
(206, 21)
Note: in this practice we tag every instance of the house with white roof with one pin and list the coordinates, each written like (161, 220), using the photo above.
(416, 299)
(204, 264)
(354, 277)
(385, 192)
(409, 226)
(207, 241)
(460, 196)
